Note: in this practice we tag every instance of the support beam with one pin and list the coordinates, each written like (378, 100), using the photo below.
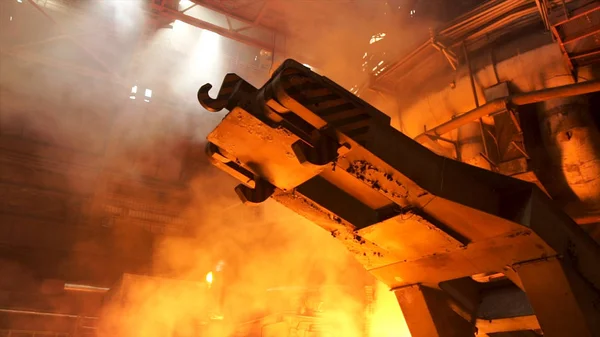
(248, 24)
(560, 18)
(262, 12)
(582, 35)
(592, 53)
(190, 20)
(543, 12)
(564, 303)
(233, 16)
(428, 314)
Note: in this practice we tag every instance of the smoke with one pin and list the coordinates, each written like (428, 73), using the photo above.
(263, 261)
(84, 113)
(333, 37)
(387, 319)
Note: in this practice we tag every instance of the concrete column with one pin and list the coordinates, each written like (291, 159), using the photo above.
(572, 142)
(563, 302)
(428, 314)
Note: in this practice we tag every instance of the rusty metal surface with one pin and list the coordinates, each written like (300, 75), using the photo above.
(565, 306)
(243, 135)
(408, 215)
(426, 239)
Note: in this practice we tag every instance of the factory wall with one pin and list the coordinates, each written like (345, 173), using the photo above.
(561, 135)
(526, 72)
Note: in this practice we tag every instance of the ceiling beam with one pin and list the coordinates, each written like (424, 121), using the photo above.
(246, 21)
(231, 34)
(75, 40)
(263, 10)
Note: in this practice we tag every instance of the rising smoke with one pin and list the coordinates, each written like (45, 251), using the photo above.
(263, 249)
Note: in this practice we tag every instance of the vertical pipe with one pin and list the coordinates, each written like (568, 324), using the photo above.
(471, 138)
(468, 64)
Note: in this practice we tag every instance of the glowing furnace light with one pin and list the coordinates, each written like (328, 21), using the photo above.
(209, 278)
(185, 3)
(207, 52)
(376, 38)
(178, 25)
(133, 92)
(220, 266)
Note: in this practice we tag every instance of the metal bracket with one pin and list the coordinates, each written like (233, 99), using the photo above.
(325, 151)
(219, 160)
(448, 54)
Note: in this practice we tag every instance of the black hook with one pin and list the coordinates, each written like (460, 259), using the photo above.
(232, 84)
(262, 191)
(207, 102)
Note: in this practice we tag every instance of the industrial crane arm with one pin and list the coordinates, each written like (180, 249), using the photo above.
(409, 216)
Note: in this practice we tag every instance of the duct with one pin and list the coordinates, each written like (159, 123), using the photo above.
(517, 99)
(409, 216)
(471, 146)
(571, 140)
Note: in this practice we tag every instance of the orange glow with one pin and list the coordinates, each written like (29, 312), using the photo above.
(285, 267)
(386, 317)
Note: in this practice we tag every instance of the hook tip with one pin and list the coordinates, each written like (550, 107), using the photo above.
(205, 100)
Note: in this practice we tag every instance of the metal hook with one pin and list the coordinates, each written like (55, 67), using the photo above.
(232, 85)
(262, 191)
(227, 89)
(207, 102)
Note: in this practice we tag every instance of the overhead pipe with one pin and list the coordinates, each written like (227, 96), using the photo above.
(500, 104)
(473, 88)
(85, 288)
(469, 27)
(43, 313)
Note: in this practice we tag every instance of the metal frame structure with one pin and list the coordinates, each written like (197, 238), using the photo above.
(470, 29)
(240, 33)
(560, 16)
